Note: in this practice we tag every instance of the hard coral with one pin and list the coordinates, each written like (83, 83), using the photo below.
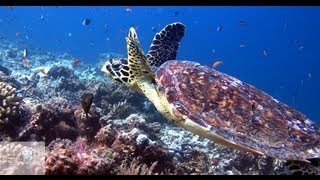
(50, 121)
(70, 84)
(114, 99)
(5, 70)
(15, 158)
(87, 126)
(133, 141)
(8, 79)
(60, 71)
(9, 108)
(136, 169)
(106, 135)
(12, 53)
(64, 157)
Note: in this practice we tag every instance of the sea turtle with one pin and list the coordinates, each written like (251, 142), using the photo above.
(215, 105)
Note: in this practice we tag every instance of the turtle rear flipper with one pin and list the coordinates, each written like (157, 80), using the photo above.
(165, 44)
(304, 168)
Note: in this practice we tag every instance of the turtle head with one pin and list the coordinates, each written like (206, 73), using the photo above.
(118, 70)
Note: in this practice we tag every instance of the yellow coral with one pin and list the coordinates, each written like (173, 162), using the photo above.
(9, 102)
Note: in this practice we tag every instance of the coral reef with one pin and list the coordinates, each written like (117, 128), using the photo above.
(60, 71)
(68, 84)
(113, 150)
(49, 122)
(122, 134)
(5, 77)
(87, 126)
(9, 110)
(21, 158)
(64, 157)
(12, 53)
(5, 70)
(136, 169)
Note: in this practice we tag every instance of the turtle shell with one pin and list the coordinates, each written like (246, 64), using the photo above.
(237, 112)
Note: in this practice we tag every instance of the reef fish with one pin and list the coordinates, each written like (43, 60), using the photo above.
(86, 22)
(25, 53)
(86, 102)
(217, 63)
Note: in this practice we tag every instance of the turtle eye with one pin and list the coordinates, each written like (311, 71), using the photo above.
(116, 66)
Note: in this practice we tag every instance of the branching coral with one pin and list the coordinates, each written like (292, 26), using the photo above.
(136, 169)
(118, 110)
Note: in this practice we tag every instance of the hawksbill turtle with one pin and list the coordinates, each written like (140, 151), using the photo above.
(215, 105)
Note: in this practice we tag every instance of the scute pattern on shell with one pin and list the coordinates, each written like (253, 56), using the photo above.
(238, 111)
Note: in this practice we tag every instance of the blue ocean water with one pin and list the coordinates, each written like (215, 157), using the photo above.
(273, 48)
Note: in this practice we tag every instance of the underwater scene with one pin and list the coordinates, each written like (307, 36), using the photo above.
(159, 90)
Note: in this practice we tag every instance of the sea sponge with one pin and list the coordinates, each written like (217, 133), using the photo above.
(9, 103)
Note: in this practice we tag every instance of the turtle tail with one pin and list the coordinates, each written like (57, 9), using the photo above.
(304, 168)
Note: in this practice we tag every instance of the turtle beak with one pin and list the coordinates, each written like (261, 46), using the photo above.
(106, 68)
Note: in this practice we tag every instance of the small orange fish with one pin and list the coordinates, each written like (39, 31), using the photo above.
(25, 62)
(217, 63)
(18, 34)
(75, 62)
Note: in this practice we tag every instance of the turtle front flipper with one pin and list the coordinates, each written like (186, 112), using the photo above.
(165, 44)
(137, 61)
(304, 168)
(142, 76)
(163, 48)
